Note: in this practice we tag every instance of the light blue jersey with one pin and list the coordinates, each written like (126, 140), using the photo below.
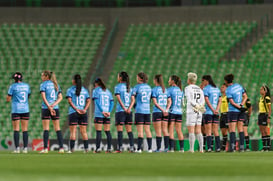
(125, 96)
(176, 95)
(78, 101)
(213, 93)
(20, 93)
(103, 101)
(235, 92)
(142, 93)
(161, 98)
(50, 92)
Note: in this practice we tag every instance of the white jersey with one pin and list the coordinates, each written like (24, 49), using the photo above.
(194, 96)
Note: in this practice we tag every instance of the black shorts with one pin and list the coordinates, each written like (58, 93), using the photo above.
(262, 119)
(19, 116)
(123, 118)
(98, 120)
(224, 121)
(175, 118)
(78, 119)
(46, 114)
(142, 119)
(158, 116)
(211, 119)
(234, 117)
(246, 121)
(203, 120)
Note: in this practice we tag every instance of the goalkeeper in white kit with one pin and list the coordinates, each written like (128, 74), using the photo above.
(195, 109)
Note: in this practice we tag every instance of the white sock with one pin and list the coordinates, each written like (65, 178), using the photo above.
(200, 141)
(192, 140)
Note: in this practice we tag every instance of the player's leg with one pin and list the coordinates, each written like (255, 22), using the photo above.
(246, 123)
(73, 132)
(45, 121)
(198, 131)
(240, 128)
(98, 127)
(56, 125)
(16, 129)
(215, 130)
(232, 119)
(84, 137)
(191, 130)
(157, 126)
(119, 118)
(224, 130)
(147, 123)
(128, 126)
(203, 130)
(106, 125)
(208, 128)
(139, 121)
(24, 127)
(178, 128)
(171, 132)
(164, 125)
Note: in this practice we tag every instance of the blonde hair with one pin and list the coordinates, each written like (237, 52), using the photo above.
(192, 77)
(52, 77)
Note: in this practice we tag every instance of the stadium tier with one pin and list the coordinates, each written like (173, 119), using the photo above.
(31, 48)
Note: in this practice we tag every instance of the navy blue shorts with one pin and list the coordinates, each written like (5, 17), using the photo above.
(224, 121)
(175, 118)
(98, 120)
(142, 119)
(208, 118)
(46, 114)
(123, 118)
(158, 116)
(19, 116)
(234, 117)
(78, 119)
(262, 119)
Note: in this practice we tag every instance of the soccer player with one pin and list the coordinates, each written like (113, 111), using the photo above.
(246, 122)
(52, 96)
(213, 102)
(79, 101)
(160, 112)
(175, 97)
(104, 104)
(123, 93)
(224, 117)
(141, 95)
(195, 109)
(264, 116)
(19, 93)
(237, 97)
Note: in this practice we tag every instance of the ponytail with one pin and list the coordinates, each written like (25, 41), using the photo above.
(78, 81)
(125, 78)
(159, 80)
(143, 77)
(177, 81)
(267, 93)
(100, 83)
(51, 76)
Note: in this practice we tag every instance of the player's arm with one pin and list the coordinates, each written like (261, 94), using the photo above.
(8, 98)
(218, 105)
(209, 104)
(157, 105)
(169, 103)
(133, 100)
(120, 102)
(72, 105)
(87, 104)
(268, 104)
(59, 99)
(244, 99)
(233, 103)
(45, 100)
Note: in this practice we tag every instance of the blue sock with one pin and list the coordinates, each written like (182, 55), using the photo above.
(72, 144)
(60, 138)
(242, 140)
(158, 142)
(166, 142)
(45, 138)
(120, 140)
(232, 138)
(181, 143)
(85, 143)
(98, 140)
(149, 141)
(217, 142)
(131, 139)
(209, 142)
(139, 143)
(25, 138)
(109, 139)
(16, 138)
(171, 141)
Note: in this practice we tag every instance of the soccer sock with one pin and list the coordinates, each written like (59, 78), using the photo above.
(224, 142)
(200, 141)
(232, 138)
(242, 140)
(85, 144)
(217, 142)
(45, 138)
(139, 143)
(72, 144)
(149, 141)
(209, 142)
(268, 142)
(191, 140)
(131, 139)
(158, 142)
(171, 142)
(120, 135)
(98, 140)
(181, 143)
(212, 140)
(264, 142)
(60, 138)
(16, 138)
(204, 141)
(109, 139)
(247, 142)
(25, 138)
(166, 142)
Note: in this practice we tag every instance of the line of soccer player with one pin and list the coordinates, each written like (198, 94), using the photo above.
(203, 108)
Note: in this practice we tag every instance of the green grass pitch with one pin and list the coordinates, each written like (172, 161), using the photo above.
(127, 166)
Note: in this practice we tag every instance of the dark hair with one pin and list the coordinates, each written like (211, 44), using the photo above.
(177, 81)
(100, 82)
(266, 88)
(229, 78)
(125, 78)
(209, 79)
(17, 76)
(52, 77)
(78, 80)
(143, 77)
(159, 80)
